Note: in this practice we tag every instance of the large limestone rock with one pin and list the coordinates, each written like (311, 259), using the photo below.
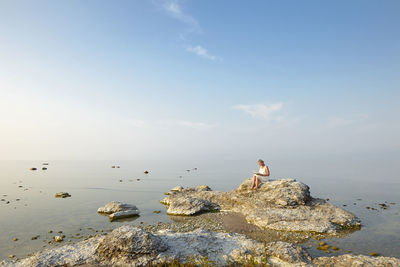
(130, 246)
(116, 210)
(284, 205)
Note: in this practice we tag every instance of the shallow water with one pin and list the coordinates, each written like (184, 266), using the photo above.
(92, 184)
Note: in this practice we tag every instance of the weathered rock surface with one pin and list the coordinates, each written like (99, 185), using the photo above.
(284, 205)
(191, 206)
(116, 210)
(356, 260)
(130, 246)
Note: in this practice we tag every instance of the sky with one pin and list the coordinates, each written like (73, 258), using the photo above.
(170, 79)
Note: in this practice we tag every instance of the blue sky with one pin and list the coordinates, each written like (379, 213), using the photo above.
(198, 79)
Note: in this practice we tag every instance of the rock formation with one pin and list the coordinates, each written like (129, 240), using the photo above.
(284, 205)
(130, 246)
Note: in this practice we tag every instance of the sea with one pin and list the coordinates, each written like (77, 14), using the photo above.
(31, 215)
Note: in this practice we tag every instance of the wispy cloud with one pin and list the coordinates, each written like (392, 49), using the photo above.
(262, 111)
(201, 52)
(174, 9)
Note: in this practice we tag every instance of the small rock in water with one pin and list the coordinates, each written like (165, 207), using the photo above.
(137, 179)
(62, 195)
(11, 256)
(44, 168)
(118, 167)
(15, 239)
(113, 167)
(157, 211)
(146, 172)
(374, 254)
(117, 210)
(50, 231)
(383, 206)
(58, 238)
(33, 169)
(45, 163)
(35, 237)
(120, 181)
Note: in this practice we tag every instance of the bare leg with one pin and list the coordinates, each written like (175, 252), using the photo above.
(258, 182)
(254, 182)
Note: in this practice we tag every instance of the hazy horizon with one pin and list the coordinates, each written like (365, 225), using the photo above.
(99, 80)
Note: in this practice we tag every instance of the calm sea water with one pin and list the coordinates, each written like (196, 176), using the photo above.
(92, 184)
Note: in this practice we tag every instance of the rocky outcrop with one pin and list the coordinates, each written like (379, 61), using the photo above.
(117, 210)
(284, 205)
(130, 246)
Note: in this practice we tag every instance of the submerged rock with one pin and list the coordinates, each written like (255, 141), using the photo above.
(116, 210)
(284, 205)
(62, 195)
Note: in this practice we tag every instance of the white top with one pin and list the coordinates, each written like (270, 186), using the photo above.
(263, 170)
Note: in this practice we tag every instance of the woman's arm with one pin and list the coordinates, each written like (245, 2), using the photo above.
(266, 171)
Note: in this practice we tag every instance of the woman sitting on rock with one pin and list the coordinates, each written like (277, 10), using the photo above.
(259, 176)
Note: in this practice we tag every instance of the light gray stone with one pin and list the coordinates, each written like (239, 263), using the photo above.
(190, 206)
(116, 210)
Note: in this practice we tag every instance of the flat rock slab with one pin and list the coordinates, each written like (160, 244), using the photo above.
(117, 210)
(284, 205)
(130, 246)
